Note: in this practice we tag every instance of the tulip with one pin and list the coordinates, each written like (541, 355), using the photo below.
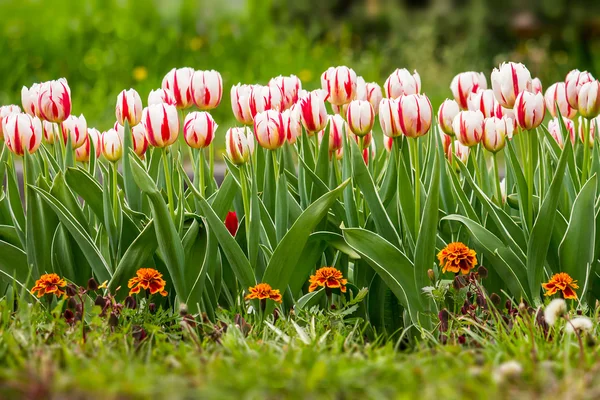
(529, 110)
(50, 131)
(588, 100)
(112, 145)
(401, 83)
(129, 107)
(82, 153)
(324, 78)
(446, 141)
(162, 124)
(583, 130)
(207, 89)
(29, 99)
(459, 150)
(292, 123)
(160, 96)
(495, 131)
(373, 152)
(339, 153)
(468, 127)
(337, 128)
(5, 111)
(240, 103)
(573, 83)
(263, 98)
(360, 117)
(483, 101)
(22, 132)
(77, 128)
(508, 81)
(373, 95)
(138, 137)
(508, 113)
(179, 82)
(290, 86)
(389, 110)
(556, 93)
(239, 145)
(313, 112)
(388, 142)
(536, 86)
(340, 85)
(54, 101)
(231, 222)
(415, 114)
(466, 83)
(199, 129)
(555, 130)
(269, 130)
(446, 113)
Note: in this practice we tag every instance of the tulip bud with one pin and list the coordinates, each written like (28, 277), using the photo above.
(508, 81)
(138, 137)
(129, 107)
(389, 111)
(292, 124)
(536, 86)
(415, 115)
(340, 85)
(207, 89)
(483, 101)
(290, 86)
(112, 145)
(263, 98)
(583, 130)
(466, 83)
(360, 117)
(401, 82)
(82, 153)
(554, 127)
(468, 126)
(446, 113)
(54, 101)
(179, 81)
(162, 124)
(369, 151)
(388, 142)
(22, 132)
(495, 131)
(337, 128)
(5, 111)
(240, 103)
(446, 141)
(161, 96)
(76, 127)
(29, 99)
(459, 150)
(269, 130)
(573, 83)
(529, 110)
(51, 131)
(239, 145)
(313, 112)
(556, 93)
(199, 129)
(231, 222)
(588, 100)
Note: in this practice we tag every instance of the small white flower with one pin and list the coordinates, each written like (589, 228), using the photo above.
(554, 310)
(508, 370)
(579, 324)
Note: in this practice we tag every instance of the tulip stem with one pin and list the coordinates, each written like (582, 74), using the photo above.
(246, 202)
(497, 176)
(584, 168)
(25, 176)
(168, 183)
(115, 192)
(530, 185)
(415, 148)
(200, 170)
(211, 156)
(275, 165)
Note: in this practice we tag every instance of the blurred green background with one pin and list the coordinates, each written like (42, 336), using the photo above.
(103, 46)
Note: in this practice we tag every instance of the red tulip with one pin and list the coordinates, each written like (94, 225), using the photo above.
(231, 222)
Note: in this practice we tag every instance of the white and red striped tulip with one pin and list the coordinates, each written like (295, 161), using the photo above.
(372, 150)
(313, 112)
(483, 101)
(373, 95)
(162, 124)
(83, 152)
(389, 111)
(54, 101)
(160, 96)
(22, 133)
(207, 89)
(555, 130)
(536, 86)
(508, 81)
(415, 115)
(263, 98)
(5, 111)
(573, 83)
(290, 86)
(360, 117)
(446, 113)
(495, 132)
(179, 82)
(269, 130)
(466, 83)
(459, 150)
(588, 100)
(51, 131)
(468, 127)
(129, 107)
(292, 123)
(388, 143)
(199, 129)
(556, 93)
(77, 128)
(112, 145)
(29, 99)
(139, 137)
(340, 85)
(529, 110)
(582, 129)
(401, 83)
(508, 113)
(337, 130)
(446, 141)
(240, 103)
(239, 145)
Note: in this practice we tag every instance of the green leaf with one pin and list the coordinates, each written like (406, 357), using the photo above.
(134, 197)
(13, 264)
(310, 300)
(281, 208)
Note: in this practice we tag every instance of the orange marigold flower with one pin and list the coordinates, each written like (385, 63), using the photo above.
(456, 257)
(263, 291)
(329, 277)
(147, 279)
(563, 282)
(48, 284)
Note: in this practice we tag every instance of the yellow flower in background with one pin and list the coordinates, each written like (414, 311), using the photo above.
(196, 43)
(140, 73)
(305, 75)
(456, 257)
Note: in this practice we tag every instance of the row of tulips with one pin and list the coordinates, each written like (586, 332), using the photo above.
(309, 190)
